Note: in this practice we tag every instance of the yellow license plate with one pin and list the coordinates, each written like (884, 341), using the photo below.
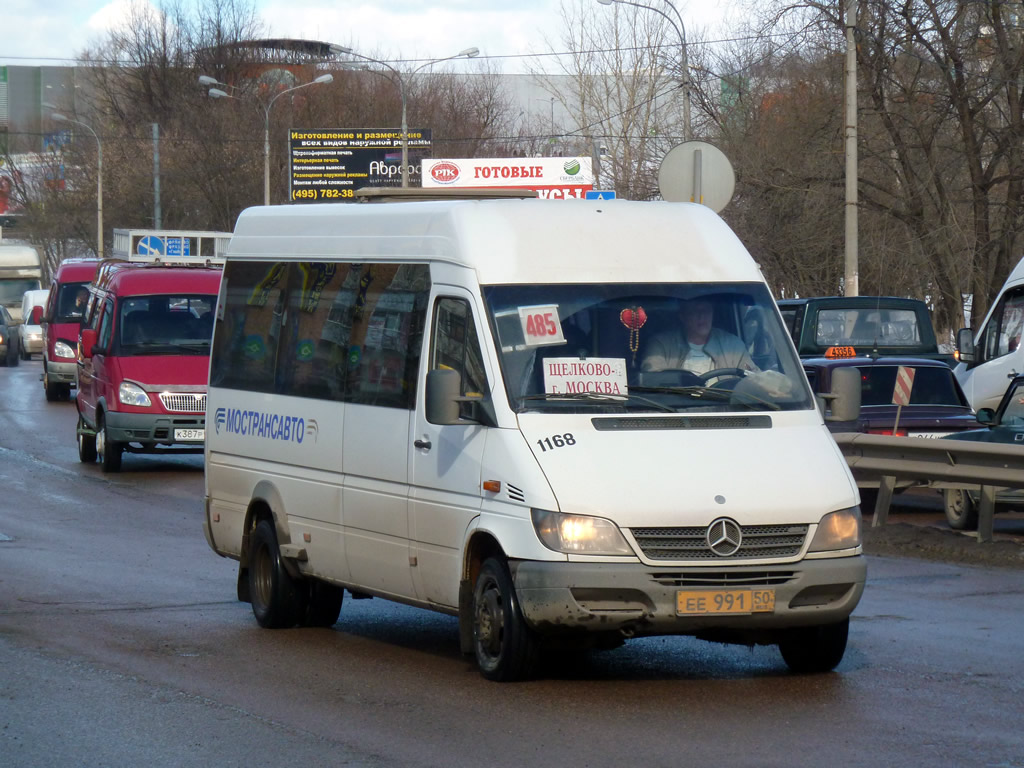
(710, 602)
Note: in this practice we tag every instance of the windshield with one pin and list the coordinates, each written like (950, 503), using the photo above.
(166, 325)
(71, 302)
(11, 291)
(865, 327)
(644, 347)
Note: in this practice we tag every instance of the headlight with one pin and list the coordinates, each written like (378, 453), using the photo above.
(60, 349)
(838, 530)
(132, 394)
(579, 534)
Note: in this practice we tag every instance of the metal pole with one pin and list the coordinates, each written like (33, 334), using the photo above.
(851, 279)
(99, 196)
(266, 157)
(405, 132)
(156, 176)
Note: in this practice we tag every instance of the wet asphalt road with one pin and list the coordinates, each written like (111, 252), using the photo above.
(122, 644)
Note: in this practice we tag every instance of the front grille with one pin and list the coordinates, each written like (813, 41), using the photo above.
(184, 402)
(704, 578)
(758, 542)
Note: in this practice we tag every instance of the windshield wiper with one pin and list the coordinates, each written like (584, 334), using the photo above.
(595, 397)
(712, 393)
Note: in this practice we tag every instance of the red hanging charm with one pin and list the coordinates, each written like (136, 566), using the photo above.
(634, 319)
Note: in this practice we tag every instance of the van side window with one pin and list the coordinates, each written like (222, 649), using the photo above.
(248, 330)
(314, 353)
(106, 326)
(386, 316)
(456, 345)
(1003, 334)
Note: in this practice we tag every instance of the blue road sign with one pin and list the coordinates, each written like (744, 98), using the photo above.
(152, 245)
(599, 194)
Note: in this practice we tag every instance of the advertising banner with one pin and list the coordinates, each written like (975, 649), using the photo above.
(329, 165)
(550, 177)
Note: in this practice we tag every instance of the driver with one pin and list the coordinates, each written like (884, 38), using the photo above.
(697, 346)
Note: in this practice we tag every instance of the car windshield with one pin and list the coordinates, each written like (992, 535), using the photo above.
(644, 347)
(867, 326)
(166, 325)
(1013, 413)
(11, 291)
(930, 386)
(71, 302)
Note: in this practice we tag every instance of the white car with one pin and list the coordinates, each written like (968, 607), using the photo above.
(31, 336)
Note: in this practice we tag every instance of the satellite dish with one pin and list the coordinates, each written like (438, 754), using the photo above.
(697, 172)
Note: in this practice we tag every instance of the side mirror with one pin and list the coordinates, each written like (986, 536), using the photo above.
(88, 342)
(845, 394)
(965, 345)
(37, 316)
(986, 417)
(443, 396)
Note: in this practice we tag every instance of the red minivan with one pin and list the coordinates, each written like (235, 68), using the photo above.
(61, 320)
(145, 354)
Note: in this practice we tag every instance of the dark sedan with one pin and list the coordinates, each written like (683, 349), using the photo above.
(1003, 425)
(937, 406)
(8, 339)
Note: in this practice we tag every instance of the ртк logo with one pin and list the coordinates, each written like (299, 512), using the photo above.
(572, 167)
(445, 172)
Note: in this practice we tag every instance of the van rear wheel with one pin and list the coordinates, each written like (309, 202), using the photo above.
(277, 599)
(961, 511)
(808, 650)
(506, 648)
(109, 451)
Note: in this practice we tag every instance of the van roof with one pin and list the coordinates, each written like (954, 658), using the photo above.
(142, 280)
(509, 241)
(76, 270)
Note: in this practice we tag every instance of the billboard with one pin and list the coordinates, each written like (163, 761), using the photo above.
(550, 177)
(329, 165)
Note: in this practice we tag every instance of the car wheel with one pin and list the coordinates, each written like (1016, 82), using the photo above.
(14, 358)
(52, 390)
(86, 444)
(808, 650)
(506, 648)
(323, 604)
(961, 511)
(108, 451)
(277, 599)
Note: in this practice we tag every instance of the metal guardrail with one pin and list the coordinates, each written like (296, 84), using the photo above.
(936, 464)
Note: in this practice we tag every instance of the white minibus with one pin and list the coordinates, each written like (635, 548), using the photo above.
(538, 416)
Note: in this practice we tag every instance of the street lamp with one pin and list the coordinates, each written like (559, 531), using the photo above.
(217, 93)
(99, 175)
(680, 29)
(399, 80)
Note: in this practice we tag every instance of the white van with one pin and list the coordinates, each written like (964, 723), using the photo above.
(31, 334)
(992, 355)
(446, 404)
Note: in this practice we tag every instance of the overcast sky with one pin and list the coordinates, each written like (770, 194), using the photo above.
(54, 31)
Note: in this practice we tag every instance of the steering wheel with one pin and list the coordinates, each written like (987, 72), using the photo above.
(721, 373)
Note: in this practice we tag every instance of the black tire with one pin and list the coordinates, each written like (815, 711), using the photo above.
(810, 650)
(506, 648)
(14, 359)
(52, 390)
(278, 600)
(961, 511)
(86, 444)
(107, 451)
(323, 604)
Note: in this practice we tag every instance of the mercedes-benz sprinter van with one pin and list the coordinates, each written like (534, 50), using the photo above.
(540, 417)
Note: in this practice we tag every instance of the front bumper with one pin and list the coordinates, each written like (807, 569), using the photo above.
(62, 373)
(637, 599)
(153, 429)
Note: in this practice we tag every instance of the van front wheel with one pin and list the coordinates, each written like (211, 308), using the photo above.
(506, 648)
(109, 451)
(274, 594)
(86, 444)
(807, 650)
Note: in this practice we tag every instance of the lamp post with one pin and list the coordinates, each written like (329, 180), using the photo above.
(99, 176)
(399, 80)
(217, 93)
(680, 29)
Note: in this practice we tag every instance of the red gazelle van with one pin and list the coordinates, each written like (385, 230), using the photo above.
(61, 322)
(144, 362)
